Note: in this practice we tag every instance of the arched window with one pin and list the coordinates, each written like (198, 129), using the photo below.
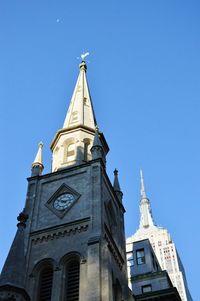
(45, 284)
(72, 280)
(70, 152)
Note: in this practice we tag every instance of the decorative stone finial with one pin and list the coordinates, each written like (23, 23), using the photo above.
(116, 172)
(97, 148)
(116, 185)
(37, 166)
(22, 218)
(38, 158)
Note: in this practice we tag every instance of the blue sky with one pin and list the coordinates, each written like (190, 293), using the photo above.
(144, 77)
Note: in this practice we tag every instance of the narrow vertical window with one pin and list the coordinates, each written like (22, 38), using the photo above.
(70, 152)
(140, 256)
(73, 275)
(45, 284)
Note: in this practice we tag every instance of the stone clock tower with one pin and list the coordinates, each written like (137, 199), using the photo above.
(70, 241)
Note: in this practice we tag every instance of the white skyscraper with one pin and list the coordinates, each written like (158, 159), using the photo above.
(162, 244)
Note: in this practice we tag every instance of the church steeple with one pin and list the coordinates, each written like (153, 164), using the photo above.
(73, 247)
(72, 143)
(146, 219)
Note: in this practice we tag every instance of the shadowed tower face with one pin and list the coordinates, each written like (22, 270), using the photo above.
(73, 243)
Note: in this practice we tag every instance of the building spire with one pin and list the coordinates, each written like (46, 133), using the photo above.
(146, 219)
(80, 112)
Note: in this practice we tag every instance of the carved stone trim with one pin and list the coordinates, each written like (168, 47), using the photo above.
(60, 232)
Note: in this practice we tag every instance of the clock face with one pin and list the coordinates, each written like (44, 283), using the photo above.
(63, 201)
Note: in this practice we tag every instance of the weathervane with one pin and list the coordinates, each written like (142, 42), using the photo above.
(83, 56)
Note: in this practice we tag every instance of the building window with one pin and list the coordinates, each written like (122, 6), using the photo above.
(146, 288)
(72, 280)
(45, 284)
(140, 256)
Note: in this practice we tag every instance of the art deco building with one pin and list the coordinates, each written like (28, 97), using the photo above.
(162, 245)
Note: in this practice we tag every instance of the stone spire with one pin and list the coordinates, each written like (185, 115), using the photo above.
(80, 112)
(146, 219)
(13, 273)
(37, 166)
(116, 185)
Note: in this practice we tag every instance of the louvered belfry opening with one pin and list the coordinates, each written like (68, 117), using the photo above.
(73, 275)
(45, 286)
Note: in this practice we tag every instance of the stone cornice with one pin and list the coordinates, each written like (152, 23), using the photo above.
(66, 170)
(57, 232)
(149, 275)
(70, 129)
